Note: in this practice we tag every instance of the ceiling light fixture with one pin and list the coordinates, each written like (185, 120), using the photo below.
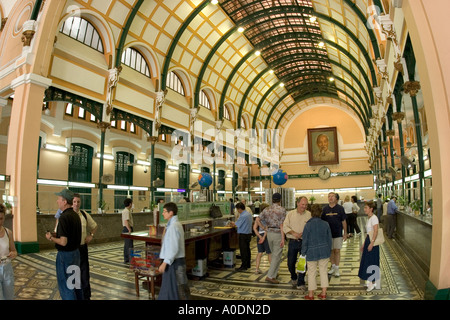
(214, 1)
(241, 29)
(54, 147)
(257, 53)
(313, 19)
(321, 44)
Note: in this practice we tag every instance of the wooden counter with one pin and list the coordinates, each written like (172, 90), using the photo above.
(198, 245)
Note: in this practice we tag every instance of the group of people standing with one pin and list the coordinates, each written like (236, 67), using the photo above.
(74, 229)
(317, 234)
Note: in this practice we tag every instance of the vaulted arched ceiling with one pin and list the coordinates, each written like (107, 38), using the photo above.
(286, 52)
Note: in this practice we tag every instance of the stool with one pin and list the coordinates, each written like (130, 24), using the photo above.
(150, 276)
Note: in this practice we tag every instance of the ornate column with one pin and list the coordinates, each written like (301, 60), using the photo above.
(191, 145)
(412, 88)
(21, 160)
(152, 139)
(160, 98)
(103, 126)
(113, 79)
(387, 27)
(217, 129)
(399, 116)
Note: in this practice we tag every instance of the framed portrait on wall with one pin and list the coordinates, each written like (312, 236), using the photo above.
(323, 146)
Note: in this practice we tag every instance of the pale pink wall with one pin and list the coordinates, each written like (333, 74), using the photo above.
(427, 24)
(322, 116)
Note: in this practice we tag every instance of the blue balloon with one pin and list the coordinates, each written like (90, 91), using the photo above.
(280, 177)
(204, 179)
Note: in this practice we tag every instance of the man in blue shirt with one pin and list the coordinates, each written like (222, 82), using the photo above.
(244, 230)
(174, 284)
(391, 217)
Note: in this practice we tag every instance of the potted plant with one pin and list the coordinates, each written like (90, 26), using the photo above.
(8, 207)
(416, 205)
(102, 206)
(312, 199)
(402, 202)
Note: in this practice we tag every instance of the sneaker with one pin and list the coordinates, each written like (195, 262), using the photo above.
(336, 273)
(370, 287)
(331, 270)
(301, 287)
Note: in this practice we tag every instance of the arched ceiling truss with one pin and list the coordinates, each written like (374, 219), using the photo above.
(304, 43)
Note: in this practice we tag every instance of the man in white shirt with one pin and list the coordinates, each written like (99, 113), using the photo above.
(172, 253)
(293, 229)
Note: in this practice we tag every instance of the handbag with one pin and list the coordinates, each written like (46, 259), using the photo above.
(380, 237)
(214, 211)
(301, 264)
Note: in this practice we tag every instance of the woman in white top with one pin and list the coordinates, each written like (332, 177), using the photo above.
(369, 268)
(7, 253)
(348, 214)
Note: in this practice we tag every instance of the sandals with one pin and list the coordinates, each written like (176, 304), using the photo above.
(307, 297)
(322, 296)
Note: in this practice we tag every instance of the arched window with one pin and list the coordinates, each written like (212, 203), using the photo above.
(123, 169)
(226, 113)
(243, 126)
(221, 180)
(183, 174)
(204, 100)
(82, 31)
(160, 172)
(80, 170)
(80, 162)
(174, 83)
(123, 176)
(135, 60)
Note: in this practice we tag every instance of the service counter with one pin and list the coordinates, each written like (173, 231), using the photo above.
(109, 226)
(205, 243)
(414, 234)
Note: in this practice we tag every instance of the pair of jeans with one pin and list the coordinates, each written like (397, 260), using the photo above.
(128, 244)
(6, 281)
(294, 250)
(68, 275)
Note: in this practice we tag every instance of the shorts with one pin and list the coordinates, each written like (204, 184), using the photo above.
(263, 247)
(337, 243)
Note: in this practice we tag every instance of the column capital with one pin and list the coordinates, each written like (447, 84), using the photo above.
(411, 87)
(103, 126)
(31, 78)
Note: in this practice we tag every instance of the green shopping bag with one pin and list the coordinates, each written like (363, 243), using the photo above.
(301, 264)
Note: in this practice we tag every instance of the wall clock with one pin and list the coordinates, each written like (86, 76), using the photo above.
(324, 173)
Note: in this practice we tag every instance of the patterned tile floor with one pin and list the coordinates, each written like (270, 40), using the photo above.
(35, 277)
